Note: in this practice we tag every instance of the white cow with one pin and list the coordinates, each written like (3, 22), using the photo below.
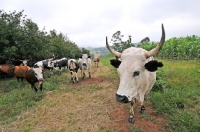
(85, 64)
(137, 73)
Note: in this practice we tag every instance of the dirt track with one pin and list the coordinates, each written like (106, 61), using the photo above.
(89, 105)
(151, 122)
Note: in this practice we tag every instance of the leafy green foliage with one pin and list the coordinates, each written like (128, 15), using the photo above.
(119, 44)
(20, 38)
(145, 40)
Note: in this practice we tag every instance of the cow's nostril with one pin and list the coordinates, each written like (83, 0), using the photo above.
(84, 64)
(41, 79)
(121, 99)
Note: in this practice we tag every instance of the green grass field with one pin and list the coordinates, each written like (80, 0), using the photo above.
(180, 99)
(88, 105)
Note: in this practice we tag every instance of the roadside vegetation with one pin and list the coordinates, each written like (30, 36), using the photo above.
(179, 98)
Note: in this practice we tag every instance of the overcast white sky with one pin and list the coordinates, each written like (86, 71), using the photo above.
(88, 22)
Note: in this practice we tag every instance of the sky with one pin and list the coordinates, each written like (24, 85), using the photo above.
(88, 22)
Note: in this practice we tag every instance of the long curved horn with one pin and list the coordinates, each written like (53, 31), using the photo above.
(112, 50)
(159, 46)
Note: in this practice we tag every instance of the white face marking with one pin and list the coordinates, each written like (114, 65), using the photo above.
(38, 73)
(84, 58)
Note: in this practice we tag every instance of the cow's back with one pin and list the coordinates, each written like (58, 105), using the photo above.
(7, 68)
(20, 71)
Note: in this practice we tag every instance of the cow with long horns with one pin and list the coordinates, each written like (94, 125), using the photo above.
(137, 72)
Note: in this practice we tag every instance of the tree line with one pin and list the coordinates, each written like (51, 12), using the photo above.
(175, 48)
(21, 38)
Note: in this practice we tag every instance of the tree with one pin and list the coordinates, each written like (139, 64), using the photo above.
(20, 38)
(145, 40)
(118, 44)
(85, 51)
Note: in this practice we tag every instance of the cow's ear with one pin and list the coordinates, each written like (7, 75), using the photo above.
(88, 56)
(153, 65)
(115, 63)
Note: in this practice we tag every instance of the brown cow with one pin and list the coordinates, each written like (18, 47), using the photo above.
(33, 76)
(96, 61)
(20, 72)
(7, 68)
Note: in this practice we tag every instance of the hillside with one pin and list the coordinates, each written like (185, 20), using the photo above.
(100, 51)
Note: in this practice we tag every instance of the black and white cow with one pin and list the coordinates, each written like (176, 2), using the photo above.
(58, 64)
(85, 64)
(45, 64)
(73, 67)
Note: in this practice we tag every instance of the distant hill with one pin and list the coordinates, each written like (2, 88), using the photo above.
(100, 51)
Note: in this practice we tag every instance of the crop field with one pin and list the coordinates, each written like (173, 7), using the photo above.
(173, 105)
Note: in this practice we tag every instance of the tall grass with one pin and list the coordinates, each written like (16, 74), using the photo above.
(17, 97)
(180, 98)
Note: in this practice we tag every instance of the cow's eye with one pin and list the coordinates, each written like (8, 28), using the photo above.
(136, 73)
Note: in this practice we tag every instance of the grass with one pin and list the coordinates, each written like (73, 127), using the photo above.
(180, 99)
(90, 104)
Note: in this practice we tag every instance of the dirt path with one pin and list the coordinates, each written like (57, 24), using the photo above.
(87, 106)
(119, 113)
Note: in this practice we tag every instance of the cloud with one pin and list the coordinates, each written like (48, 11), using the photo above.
(88, 22)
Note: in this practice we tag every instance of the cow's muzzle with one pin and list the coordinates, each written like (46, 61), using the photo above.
(40, 81)
(121, 99)
(84, 64)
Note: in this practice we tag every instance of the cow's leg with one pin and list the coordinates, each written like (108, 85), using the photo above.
(41, 86)
(33, 86)
(71, 72)
(51, 72)
(59, 71)
(83, 73)
(89, 73)
(76, 77)
(142, 110)
(131, 112)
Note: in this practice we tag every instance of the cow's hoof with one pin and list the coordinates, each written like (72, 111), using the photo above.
(131, 119)
(143, 110)
(73, 82)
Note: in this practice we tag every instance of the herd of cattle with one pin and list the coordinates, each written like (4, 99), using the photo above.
(33, 71)
(136, 69)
